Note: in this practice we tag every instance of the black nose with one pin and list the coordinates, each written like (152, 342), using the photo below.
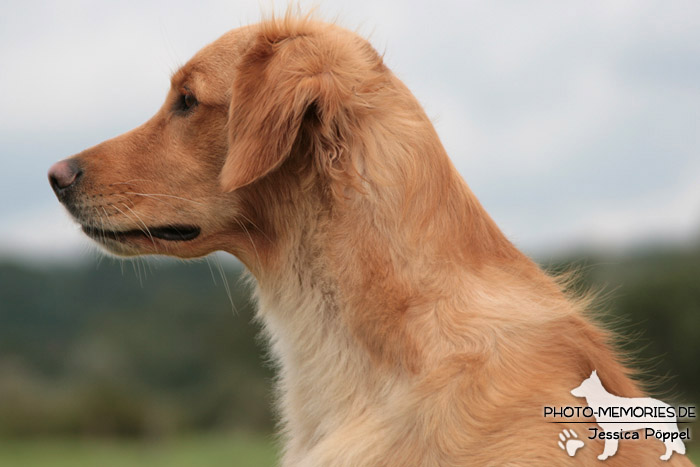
(63, 175)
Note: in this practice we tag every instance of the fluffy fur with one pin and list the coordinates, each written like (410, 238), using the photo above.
(407, 329)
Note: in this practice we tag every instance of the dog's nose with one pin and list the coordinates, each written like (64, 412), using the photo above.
(63, 175)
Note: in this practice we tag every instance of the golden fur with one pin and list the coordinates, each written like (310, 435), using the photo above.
(407, 329)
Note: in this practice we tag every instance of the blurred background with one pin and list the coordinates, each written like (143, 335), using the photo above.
(577, 126)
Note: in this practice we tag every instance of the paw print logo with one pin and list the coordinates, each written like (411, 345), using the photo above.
(569, 442)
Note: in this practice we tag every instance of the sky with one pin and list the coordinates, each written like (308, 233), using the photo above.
(576, 124)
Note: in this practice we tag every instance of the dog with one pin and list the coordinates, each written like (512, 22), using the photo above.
(598, 398)
(407, 330)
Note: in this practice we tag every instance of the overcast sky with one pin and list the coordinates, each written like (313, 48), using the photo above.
(576, 124)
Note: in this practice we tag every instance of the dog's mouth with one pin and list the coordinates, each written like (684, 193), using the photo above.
(172, 233)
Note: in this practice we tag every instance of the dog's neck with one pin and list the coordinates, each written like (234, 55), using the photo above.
(346, 283)
(303, 313)
(336, 302)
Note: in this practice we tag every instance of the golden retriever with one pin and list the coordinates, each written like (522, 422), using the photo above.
(407, 329)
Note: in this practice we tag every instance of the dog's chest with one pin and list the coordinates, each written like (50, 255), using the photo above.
(325, 380)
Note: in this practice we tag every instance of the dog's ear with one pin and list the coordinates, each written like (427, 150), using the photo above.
(280, 84)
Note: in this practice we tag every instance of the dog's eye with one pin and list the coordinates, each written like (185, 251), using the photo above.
(185, 103)
(189, 101)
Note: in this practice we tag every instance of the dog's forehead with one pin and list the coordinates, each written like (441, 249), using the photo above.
(225, 50)
(211, 70)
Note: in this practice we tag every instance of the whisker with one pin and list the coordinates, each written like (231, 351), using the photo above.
(252, 243)
(102, 222)
(226, 286)
(128, 182)
(137, 272)
(256, 227)
(145, 232)
(144, 263)
(142, 222)
(126, 199)
(155, 195)
(103, 232)
(211, 271)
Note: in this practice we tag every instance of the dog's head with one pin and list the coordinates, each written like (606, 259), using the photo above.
(264, 112)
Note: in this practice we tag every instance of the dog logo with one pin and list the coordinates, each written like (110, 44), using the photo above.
(617, 415)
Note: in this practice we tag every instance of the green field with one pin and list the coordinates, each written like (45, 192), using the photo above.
(212, 450)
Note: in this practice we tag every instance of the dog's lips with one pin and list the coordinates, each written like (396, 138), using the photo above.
(174, 233)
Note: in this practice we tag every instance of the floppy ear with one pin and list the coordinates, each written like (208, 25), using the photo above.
(277, 84)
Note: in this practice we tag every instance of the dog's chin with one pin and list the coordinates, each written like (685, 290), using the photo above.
(174, 240)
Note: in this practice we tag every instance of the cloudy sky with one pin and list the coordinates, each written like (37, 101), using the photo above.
(575, 124)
